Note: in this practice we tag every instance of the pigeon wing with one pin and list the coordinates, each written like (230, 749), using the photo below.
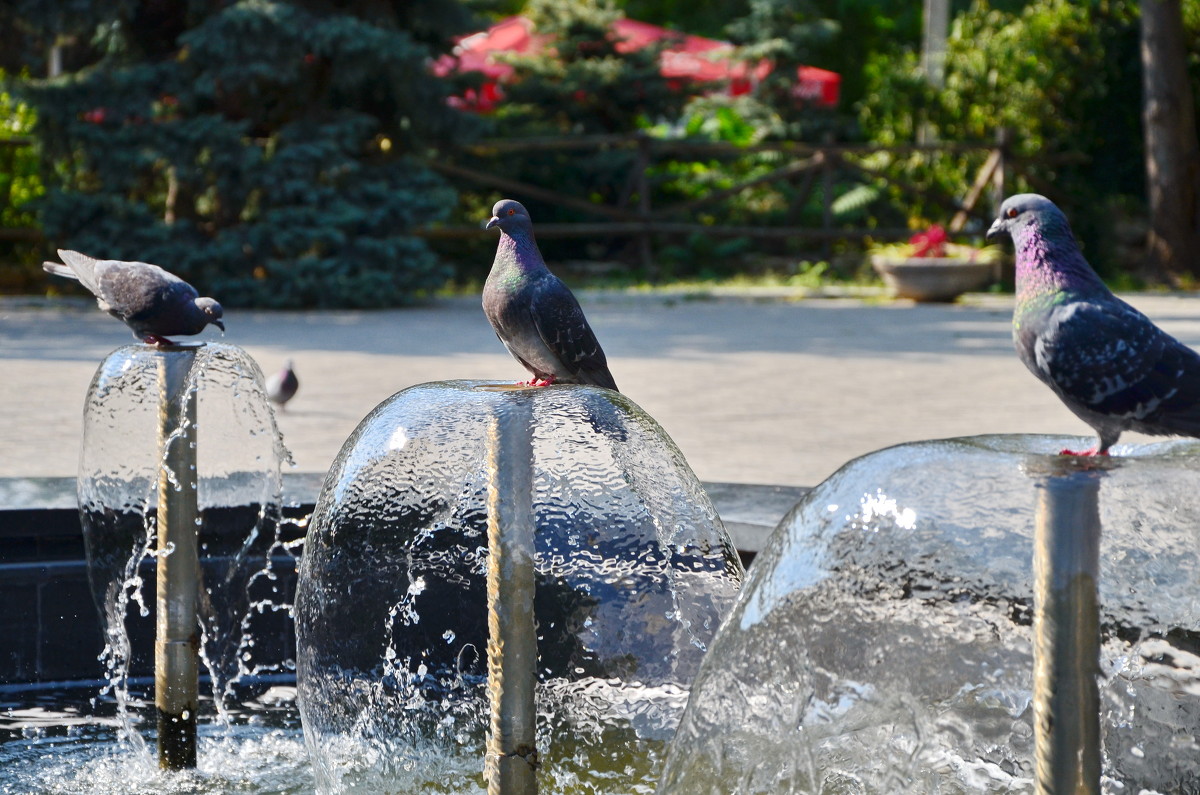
(139, 290)
(78, 266)
(565, 331)
(1109, 358)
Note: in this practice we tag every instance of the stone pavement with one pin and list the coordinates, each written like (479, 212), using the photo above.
(753, 386)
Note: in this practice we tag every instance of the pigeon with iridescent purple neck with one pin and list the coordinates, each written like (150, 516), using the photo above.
(532, 311)
(1105, 360)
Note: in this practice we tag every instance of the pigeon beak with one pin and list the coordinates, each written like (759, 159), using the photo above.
(493, 221)
(996, 231)
(219, 324)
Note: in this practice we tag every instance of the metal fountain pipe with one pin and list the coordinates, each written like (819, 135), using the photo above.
(510, 766)
(1066, 645)
(177, 641)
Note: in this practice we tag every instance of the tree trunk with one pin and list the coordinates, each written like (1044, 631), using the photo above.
(1172, 153)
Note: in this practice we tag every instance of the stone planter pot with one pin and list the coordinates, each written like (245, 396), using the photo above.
(933, 278)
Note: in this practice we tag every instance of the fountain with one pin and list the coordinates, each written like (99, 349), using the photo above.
(633, 573)
(886, 638)
(148, 471)
(889, 638)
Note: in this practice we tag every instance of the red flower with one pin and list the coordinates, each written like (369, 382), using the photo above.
(930, 243)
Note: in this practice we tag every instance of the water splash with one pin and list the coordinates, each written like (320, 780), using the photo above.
(73, 747)
(883, 642)
(634, 572)
(244, 537)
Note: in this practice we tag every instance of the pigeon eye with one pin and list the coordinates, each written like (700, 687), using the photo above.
(510, 212)
(1012, 212)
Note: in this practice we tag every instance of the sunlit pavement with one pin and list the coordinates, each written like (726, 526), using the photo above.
(753, 387)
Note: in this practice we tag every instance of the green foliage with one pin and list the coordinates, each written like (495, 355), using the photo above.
(20, 187)
(703, 256)
(700, 19)
(583, 83)
(1056, 74)
(273, 155)
(785, 33)
(20, 181)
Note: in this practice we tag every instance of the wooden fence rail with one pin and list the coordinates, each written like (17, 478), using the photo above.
(806, 164)
(633, 214)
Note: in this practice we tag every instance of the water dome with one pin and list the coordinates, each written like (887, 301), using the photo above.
(884, 639)
(634, 572)
(238, 452)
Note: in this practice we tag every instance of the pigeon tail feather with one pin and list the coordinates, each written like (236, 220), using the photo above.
(58, 269)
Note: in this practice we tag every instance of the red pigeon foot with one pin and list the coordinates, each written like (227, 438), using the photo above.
(1095, 451)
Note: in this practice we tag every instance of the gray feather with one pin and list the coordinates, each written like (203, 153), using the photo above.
(152, 302)
(533, 313)
(1105, 360)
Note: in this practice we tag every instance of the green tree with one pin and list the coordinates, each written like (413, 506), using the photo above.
(1056, 74)
(269, 150)
(1172, 153)
(783, 32)
(20, 187)
(583, 82)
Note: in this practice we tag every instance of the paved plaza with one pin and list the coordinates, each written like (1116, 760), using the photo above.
(754, 386)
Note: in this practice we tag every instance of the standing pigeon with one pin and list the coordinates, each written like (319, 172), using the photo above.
(1104, 359)
(149, 300)
(282, 386)
(534, 314)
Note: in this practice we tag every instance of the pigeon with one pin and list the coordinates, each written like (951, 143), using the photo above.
(282, 386)
(532, 311)
(1105, 360)
(149, 300)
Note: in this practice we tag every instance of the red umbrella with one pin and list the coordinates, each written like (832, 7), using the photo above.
(685, 57)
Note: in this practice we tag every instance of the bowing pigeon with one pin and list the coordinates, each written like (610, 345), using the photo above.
(532, 311)
(149, 300)
(282, 386)
(1105, 360)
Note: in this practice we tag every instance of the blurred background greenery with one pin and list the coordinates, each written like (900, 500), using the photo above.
(297, 154)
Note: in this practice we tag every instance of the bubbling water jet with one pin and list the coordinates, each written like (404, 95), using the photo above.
(225, 480)
(885, 642)
(633, 573)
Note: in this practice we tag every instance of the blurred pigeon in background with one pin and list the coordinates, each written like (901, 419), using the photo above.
(534, 314)
(1107, 362)
(149, 300)
(282, 386)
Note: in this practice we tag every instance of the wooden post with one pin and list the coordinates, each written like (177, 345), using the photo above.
(1003, 141)
(645, 254)
(177, 639)
(982, 178)
(827, 158)
(510, 767)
